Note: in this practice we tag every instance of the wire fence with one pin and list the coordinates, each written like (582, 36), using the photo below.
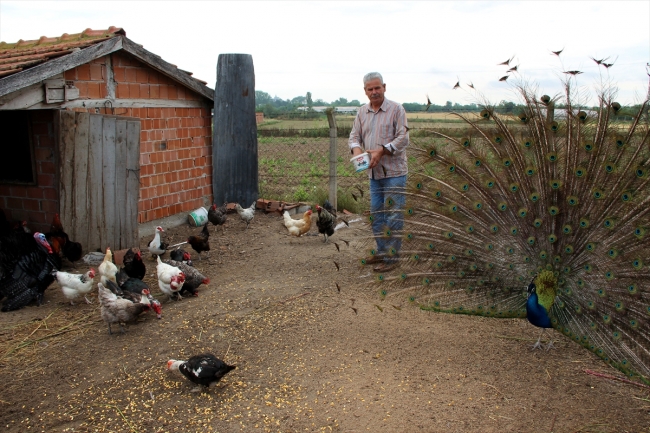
(294, 166)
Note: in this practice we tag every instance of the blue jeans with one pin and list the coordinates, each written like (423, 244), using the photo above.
(387, 216)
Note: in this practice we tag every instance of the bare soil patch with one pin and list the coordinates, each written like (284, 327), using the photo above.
(307, 361)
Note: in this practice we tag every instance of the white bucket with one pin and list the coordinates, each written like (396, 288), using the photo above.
(360, 162)
(198, 217)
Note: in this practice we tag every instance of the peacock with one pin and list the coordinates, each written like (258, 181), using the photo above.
(541, 214)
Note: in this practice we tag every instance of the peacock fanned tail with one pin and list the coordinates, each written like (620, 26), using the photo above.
(526, 193)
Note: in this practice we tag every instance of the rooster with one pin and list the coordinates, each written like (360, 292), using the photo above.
(74, 285)
(193, 278)
(217, 215)
(133, 264)
(107, 269)
(60, 242)
(298, 227)
(157, 247)
(325, 222)
(200, 242)
(247, 214)
(203, 370)
(118, 310)
(170, 279)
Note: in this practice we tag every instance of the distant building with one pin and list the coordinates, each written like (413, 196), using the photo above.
(321, 109)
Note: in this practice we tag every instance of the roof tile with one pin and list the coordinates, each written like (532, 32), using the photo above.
(17, 56)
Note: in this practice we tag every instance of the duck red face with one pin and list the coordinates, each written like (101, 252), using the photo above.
(186, 256)
(155, 306)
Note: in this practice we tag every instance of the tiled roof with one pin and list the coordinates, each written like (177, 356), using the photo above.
(21, 55)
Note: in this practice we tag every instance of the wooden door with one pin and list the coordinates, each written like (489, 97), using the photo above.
(99, 179)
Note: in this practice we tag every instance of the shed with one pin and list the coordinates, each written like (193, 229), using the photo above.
(103, 132)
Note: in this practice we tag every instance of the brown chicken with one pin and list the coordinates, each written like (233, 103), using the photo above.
(298, 227)
(200, 242)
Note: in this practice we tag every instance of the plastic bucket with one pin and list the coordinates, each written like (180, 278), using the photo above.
(198, 217)
(360, 162)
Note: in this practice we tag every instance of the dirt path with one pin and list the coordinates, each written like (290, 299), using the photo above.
(309, 358)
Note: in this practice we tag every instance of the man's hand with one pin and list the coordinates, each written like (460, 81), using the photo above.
(375, 156)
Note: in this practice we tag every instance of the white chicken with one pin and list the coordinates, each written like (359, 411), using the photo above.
(107, 269)
(298, 227)
(246, 214)
(119, 310)
(75, 285)
(170, 279)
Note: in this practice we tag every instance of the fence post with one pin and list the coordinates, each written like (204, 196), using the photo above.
(333, 159)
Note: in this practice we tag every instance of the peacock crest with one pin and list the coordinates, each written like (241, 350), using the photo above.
(557, 194)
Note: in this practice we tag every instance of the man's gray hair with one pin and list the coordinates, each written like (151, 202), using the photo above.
(371, 76)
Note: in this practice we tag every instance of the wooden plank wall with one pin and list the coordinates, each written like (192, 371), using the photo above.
(99, 179)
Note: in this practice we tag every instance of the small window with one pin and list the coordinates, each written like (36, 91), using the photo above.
(16, 148)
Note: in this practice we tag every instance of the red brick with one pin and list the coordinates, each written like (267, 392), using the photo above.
(31, 205)
(50, 194)
(122, 91)
(119, 74)
(83, 72)
(141, 76)
(103, 90)
(154, 91)
(144, 91)
(134, 90)
(96, 72)
(49, 206)
(164, 90)
(45, 180)
(70, 74)
(93, 90)
(180, 92)
(130, 75)
(47, 167)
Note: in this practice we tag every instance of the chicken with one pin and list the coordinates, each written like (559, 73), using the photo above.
(107, 269)
(193, 278)
(157, 247)
(180, 255)
(26, 265)
(217, 215)
(133, 264)
(60, 242)
(170, 279)
(298, 227)
(325, 222)
(202, 370)
(75, 285)
(247, 214)
(200, 242)
(118, 310)
(128, 286)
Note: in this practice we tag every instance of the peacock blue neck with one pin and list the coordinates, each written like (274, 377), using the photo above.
(536, 313)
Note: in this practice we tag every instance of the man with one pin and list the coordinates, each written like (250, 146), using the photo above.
(381, 129)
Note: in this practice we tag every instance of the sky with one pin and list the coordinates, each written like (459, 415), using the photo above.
(421, 48)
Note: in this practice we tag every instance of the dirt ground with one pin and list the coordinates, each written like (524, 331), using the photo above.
(309, 357)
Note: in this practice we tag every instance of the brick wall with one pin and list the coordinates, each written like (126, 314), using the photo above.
(36, 204)
(175, 143)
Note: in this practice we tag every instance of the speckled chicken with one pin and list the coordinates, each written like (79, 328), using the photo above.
(118, 310)
(193, 278)
(246, 214)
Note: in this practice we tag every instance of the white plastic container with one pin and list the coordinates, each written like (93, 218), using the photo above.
(360, 162)
(198, 217)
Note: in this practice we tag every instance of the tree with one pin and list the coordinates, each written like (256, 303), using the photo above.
(262, 98)
(310, 103)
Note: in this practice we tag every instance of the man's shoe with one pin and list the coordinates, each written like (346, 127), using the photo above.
(385, 267)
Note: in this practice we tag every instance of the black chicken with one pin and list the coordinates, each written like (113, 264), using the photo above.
(180, 255)
(133, 289)
(133, 264)
(200, 242)
(217, 215)
(325, 222)
(26, 275)
(61, 243)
